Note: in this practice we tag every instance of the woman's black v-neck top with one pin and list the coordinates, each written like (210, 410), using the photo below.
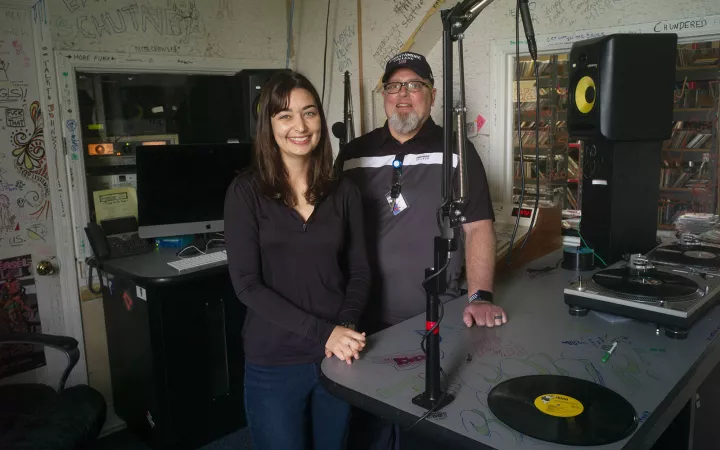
(298, 279)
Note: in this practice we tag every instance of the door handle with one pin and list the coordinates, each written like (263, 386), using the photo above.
(45, 267)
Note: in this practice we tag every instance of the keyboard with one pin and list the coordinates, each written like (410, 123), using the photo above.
(198, 261)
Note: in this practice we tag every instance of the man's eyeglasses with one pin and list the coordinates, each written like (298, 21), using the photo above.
(411, 86)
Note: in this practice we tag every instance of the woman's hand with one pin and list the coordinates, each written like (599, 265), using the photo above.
(345, 344)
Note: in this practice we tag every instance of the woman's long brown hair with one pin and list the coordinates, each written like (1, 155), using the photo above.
(273, 176)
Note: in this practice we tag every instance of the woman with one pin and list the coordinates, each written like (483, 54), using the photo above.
(296, 255)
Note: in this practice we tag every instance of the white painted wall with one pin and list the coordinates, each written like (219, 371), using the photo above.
(387, 24)
(207, 28)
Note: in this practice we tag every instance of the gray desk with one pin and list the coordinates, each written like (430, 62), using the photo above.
(656, 374)
(153, 267)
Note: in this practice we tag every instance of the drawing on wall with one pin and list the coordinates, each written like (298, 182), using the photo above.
(14, 117)
(31, 162)
(7, 219)
(37, 232)
(19, 313)
(4, 66)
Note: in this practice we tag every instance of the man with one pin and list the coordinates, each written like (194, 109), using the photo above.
(401, 231)
(401, 223)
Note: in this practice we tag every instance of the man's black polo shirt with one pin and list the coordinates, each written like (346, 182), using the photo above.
(400, 247)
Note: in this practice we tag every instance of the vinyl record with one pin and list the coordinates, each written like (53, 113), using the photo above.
(563, 410)
(653, 284)
(692, 255)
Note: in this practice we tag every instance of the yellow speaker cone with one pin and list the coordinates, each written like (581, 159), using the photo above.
(585, 94)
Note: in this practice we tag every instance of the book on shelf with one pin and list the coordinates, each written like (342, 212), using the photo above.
(698, 54)
(688, 135)
(668, 209)
(572, 201)
(527, 68)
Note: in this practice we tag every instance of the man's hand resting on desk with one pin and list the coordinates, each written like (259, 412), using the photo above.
(345, 344)
(484, 314)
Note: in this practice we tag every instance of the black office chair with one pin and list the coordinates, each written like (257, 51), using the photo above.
(36, 416)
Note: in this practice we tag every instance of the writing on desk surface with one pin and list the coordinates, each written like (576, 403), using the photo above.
(633, 369)
(405, 360)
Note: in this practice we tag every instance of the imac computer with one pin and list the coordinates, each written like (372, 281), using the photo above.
(181, 188)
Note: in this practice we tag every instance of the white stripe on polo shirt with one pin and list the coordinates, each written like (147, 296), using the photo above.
(410, 160)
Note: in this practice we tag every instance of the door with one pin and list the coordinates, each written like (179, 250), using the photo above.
(31, 298)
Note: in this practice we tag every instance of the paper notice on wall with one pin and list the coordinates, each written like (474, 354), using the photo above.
(115, 203)
(527, 91)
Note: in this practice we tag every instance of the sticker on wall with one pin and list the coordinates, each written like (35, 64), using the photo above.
(479, 122)
(19, 313)
(141, 294)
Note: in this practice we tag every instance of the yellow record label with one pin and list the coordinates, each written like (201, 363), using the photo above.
(580, 101)
(558, 405)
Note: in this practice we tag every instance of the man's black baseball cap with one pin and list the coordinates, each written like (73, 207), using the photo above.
(413, 61)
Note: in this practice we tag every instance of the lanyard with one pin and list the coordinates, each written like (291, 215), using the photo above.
(397, 173)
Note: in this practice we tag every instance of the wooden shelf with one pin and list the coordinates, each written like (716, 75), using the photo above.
(697, 73)
(695, 114)
(704, 150)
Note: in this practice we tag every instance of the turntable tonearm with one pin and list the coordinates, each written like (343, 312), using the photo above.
(673, 297)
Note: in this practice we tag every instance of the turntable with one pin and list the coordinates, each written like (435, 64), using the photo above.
(687, 253)
(671, 297)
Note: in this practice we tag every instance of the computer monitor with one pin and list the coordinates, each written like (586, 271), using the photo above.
(181, 188)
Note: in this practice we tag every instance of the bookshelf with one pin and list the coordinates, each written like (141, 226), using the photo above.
(690, 163)
(689, 173)
(552, 167)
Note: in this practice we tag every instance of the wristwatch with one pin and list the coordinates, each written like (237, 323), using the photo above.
(348, 325)
(485, 296)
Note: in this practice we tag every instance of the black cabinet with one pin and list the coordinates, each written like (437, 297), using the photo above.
(175, 349)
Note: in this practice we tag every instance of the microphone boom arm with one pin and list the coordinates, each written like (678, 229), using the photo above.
(451, 212)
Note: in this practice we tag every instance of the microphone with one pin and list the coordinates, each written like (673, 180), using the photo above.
(339, 130)
(527, 25)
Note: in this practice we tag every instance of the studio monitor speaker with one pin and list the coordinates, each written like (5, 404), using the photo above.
(621, 87)
(620, 194)
(251, 82)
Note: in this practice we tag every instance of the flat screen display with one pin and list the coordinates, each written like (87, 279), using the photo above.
(181, 188)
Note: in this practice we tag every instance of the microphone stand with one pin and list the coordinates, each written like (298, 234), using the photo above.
(450, 214)
(348, 110)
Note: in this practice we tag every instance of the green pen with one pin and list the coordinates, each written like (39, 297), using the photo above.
(609, 352)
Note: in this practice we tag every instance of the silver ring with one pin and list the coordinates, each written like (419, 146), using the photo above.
(498, 317)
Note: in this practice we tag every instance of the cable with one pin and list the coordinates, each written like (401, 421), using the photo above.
(519, 128)
(327, 25)
(537, 152)
(590, 248)
(442, 372)
(289, 34)
(444, 267)
(188, 248)
(441, 313)
(207, 245)
(545, 270)
(91, 263)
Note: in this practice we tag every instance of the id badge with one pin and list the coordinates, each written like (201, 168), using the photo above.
(397, 205)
